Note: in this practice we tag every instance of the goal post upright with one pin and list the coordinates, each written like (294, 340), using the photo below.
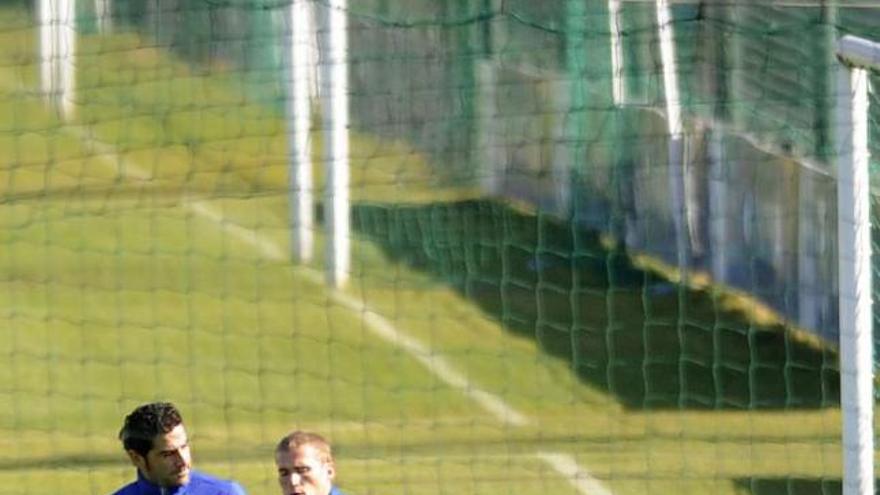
(854, 237)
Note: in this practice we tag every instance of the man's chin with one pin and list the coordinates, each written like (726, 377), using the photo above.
(180, 478)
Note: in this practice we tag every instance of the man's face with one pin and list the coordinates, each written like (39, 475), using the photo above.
(168, 463)
(302, 471)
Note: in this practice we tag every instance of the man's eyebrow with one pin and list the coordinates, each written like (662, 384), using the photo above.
(174, 449)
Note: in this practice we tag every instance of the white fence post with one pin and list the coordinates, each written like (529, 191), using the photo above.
(103, 15)
(47, 48)
(676, 133)
(491, 159)
(298, 109)
(335, 97)
(57, 33)
(66, 59)
(618, 81)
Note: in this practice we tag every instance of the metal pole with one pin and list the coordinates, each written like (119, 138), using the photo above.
(854, 254)
(676, 132)
(103, 15)
(491, 160)
(618, 79)
(66, 59)
(48, 22)
(718, 207)
(335, 98)
(298, 108)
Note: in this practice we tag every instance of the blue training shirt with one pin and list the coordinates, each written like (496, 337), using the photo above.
(199, 484)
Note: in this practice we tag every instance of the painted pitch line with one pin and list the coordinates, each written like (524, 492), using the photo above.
(579, 477)
(110, 156)
(564, 464)
(435, 363)
(267, 248)
(379, 325)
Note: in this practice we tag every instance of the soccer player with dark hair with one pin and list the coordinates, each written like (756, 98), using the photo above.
(156, 443)
(305, 465)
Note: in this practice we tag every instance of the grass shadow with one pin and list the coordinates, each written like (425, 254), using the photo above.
(789, 486)
(651, 343)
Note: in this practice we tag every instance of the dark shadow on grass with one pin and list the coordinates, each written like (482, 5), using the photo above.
(99, 460)
(790, 486)
(651, 343)
(64, 462)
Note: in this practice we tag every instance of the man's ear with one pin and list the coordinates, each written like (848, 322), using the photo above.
(331, 470)
(137, 460)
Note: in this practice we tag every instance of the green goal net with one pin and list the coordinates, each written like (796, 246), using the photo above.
(591, 252)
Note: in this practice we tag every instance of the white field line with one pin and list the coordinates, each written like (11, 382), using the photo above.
(564, 464)
(110, 155)
(379, 325)
(376, 323)
(579, 477)
(270, 249)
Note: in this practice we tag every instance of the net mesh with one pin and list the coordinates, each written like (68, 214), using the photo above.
(550, 290)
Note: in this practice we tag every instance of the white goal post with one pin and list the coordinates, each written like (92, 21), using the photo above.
(857, 56)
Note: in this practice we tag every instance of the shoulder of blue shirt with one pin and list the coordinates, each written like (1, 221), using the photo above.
(213, 484)
(199, 484)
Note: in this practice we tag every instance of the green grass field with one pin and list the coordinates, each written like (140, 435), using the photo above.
(137, 263)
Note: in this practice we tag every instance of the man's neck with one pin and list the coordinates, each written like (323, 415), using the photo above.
(163, 490)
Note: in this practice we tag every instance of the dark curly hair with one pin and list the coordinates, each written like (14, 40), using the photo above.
(145, 422)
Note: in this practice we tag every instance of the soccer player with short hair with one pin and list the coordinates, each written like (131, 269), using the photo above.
(157, 445)
(305, 465)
